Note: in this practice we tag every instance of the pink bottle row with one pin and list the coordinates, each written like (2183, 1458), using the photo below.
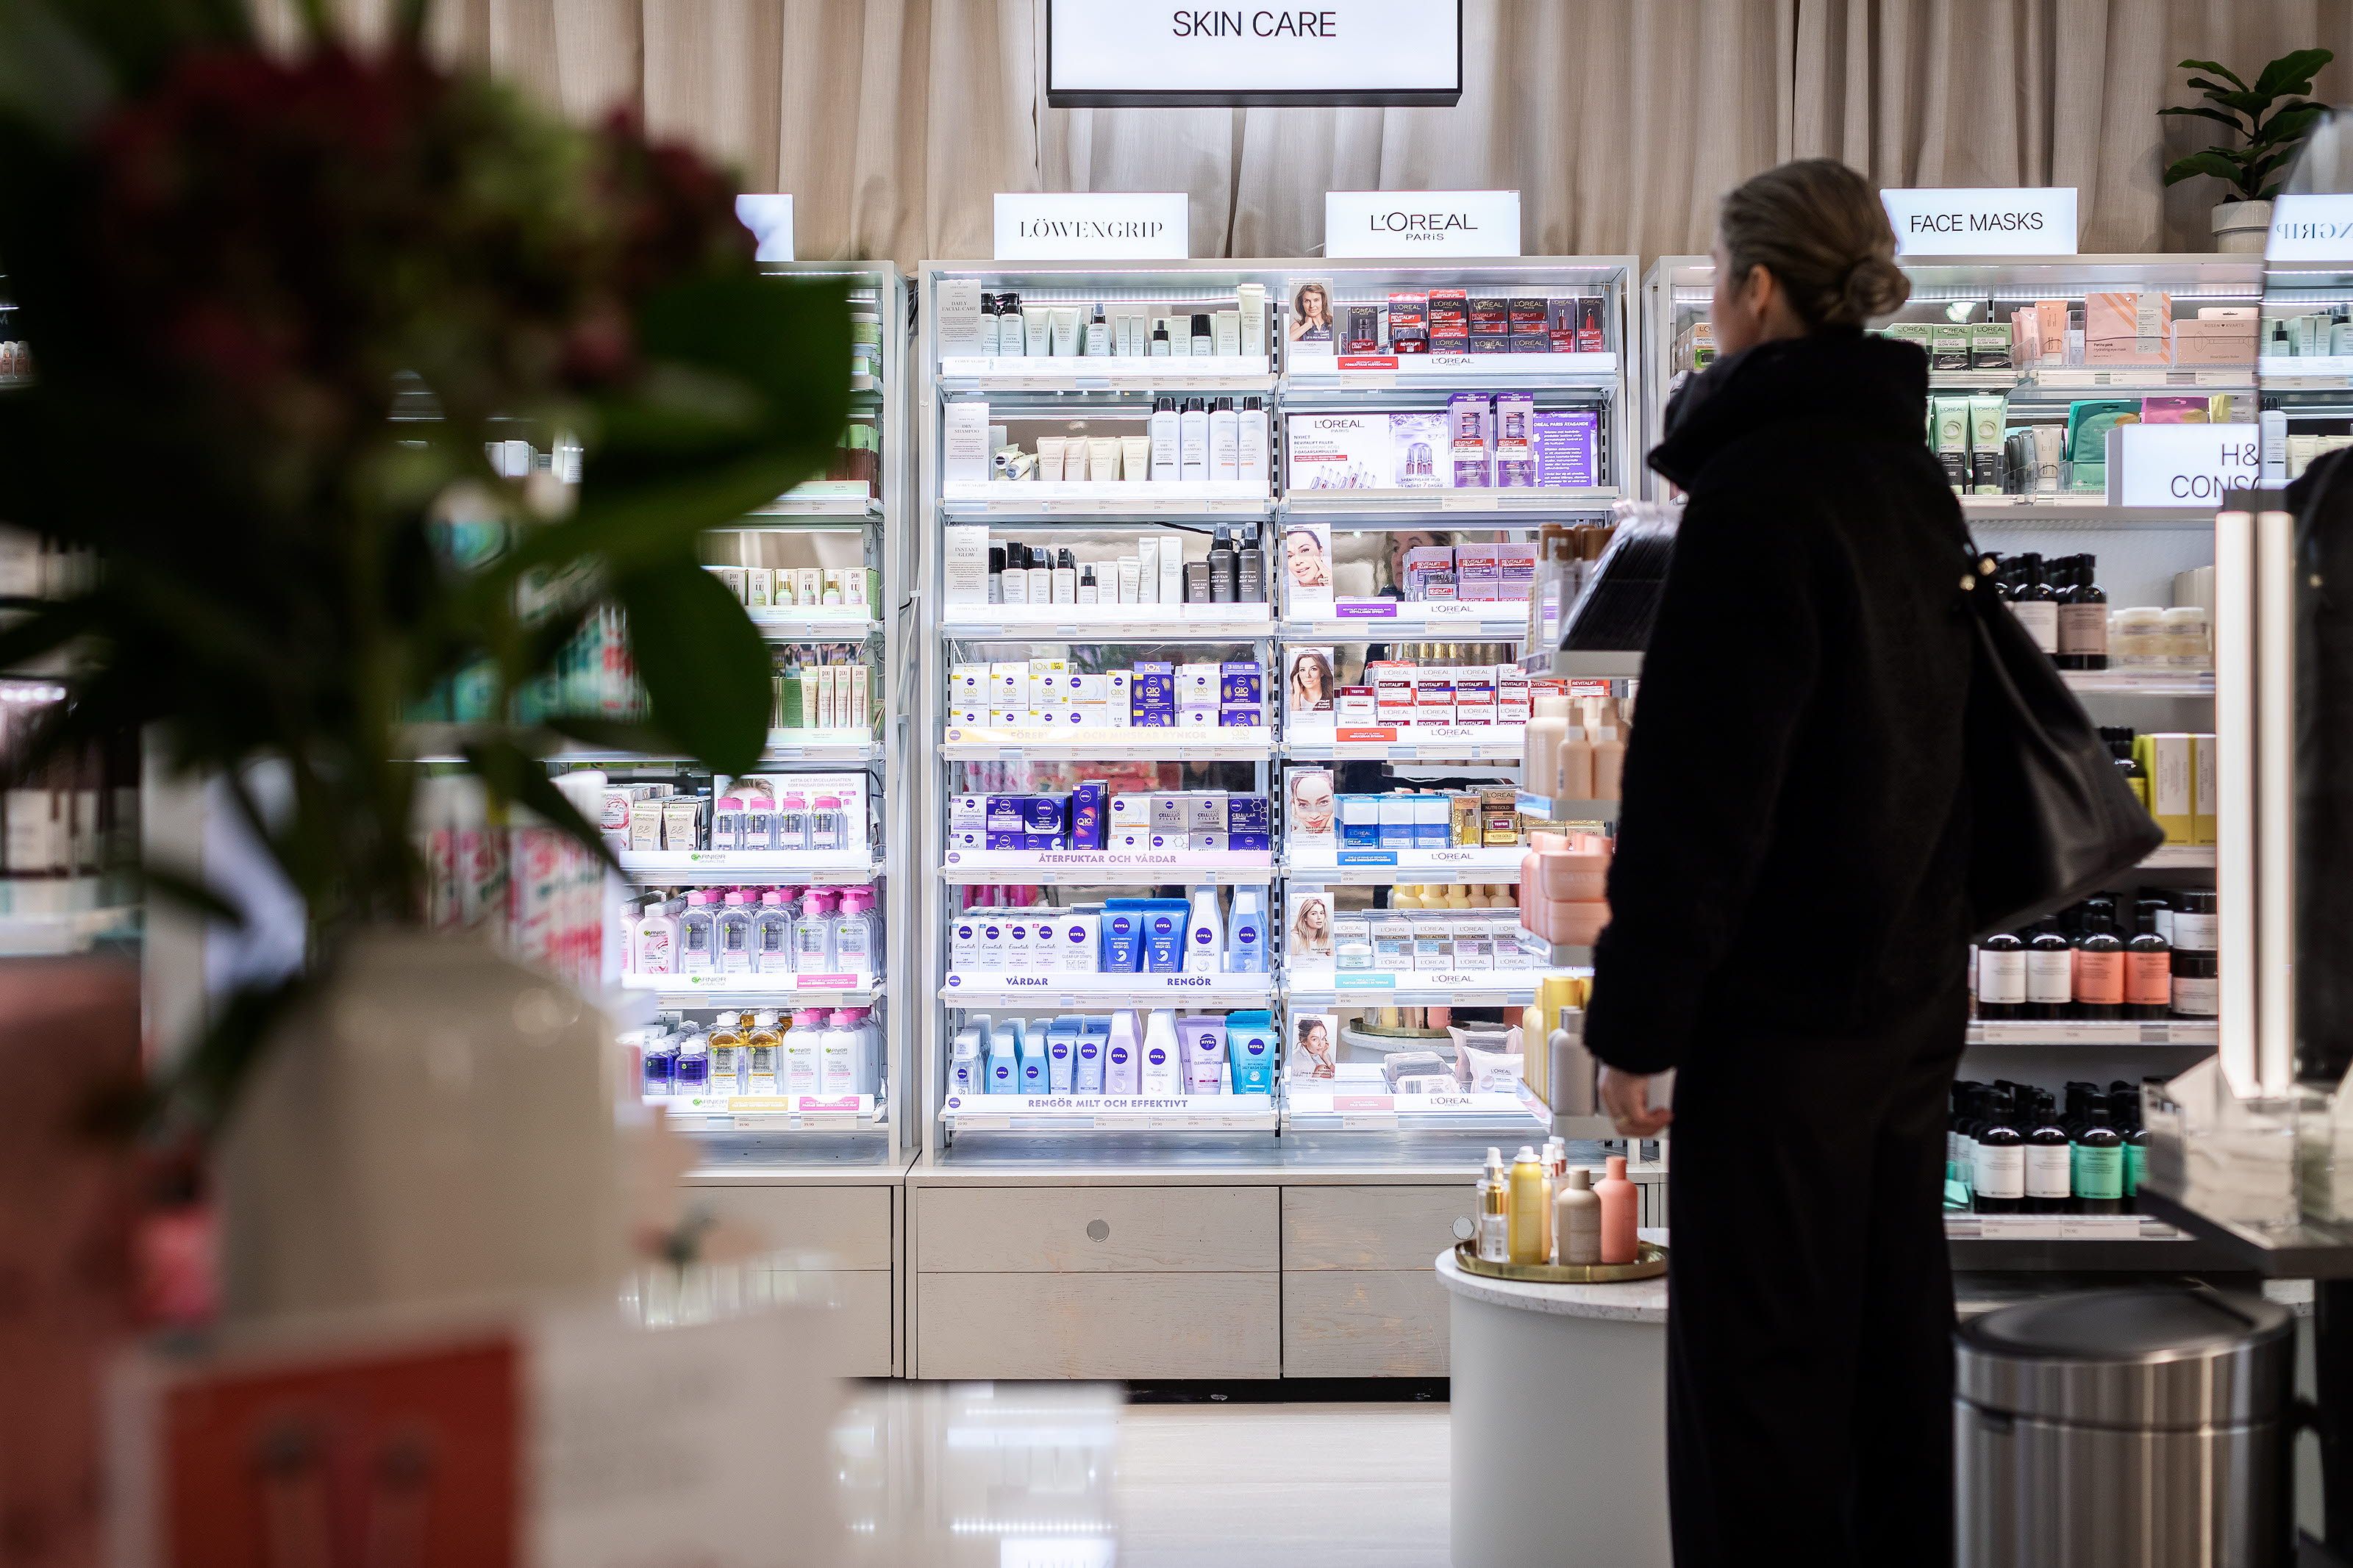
(753, 931)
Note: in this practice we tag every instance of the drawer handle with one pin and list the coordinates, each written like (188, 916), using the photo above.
(1098, 1230)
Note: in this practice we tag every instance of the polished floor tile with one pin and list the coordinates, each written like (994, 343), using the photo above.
(1304, 1486)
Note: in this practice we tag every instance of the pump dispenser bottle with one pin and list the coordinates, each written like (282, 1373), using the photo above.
(1531, 1213)
(1254, 464)
(1158, 1072)
(1121, 1070)
(1494, 1233)
(1225, 440)
(1577, 1217)
(1618, 1203)
(1193, 439)
(1163, 429)
(1204, 947)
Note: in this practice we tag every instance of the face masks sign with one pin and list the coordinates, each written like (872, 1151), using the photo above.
(1421, 223)
(1092, 225)
(1120, 54)
(1983, 220)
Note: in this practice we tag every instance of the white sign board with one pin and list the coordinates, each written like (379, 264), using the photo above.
(1090, 225)
(1421, 223)
(2311, 229)
(770, 219)
(2181, 464)
(1983, 220)
(1117, 53)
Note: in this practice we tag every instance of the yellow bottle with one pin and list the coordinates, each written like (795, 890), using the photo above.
(1531, 1217)
(764, 1048)
(1458, 896)
(1406, 896)
(725, 1043)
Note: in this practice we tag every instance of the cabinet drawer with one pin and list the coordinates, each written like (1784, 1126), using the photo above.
(1054, 1230)
(1387, 1322)
(861, 1326)
(1098, 1325)
(1370, 1227)
(850, 1224)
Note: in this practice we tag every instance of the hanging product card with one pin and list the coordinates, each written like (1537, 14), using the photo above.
(1116, 54)
(2311, 229)
(1422, 223)
(1979, 220)
(1092, 225)
(2181, 464)
(770, 219)
(956, 322)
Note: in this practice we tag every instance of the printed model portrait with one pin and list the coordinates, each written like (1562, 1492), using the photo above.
(1311, 681)
(1308, 558)
(1311, 927)
(1311, 314)
(1312, 1059)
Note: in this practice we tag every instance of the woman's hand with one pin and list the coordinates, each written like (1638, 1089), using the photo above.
(1626, 1097)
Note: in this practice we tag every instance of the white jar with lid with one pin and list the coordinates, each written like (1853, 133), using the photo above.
(2186, 644)
(2137, 638)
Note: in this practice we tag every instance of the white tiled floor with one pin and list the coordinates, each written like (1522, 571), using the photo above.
(1304, 1486)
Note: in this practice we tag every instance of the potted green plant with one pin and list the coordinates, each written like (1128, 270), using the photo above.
(2270, 119)
(280, 304)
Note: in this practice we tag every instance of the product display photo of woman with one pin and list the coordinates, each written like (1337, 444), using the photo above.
(1311, 316)
(1313, 1057)
(1310, 927)
(1310, 684)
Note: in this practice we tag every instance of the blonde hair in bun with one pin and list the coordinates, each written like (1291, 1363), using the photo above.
(1816, 225)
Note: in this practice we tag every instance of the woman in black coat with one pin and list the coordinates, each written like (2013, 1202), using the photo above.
(1788, 925)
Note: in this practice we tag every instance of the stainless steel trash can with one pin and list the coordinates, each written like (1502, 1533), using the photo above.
(2132, 1429)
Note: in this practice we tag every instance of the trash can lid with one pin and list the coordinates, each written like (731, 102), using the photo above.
(2148, 1357)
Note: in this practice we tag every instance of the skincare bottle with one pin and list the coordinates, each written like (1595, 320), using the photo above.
(1254, 444)
(1089, 590)
(1161, 347)
(989, 320)
(697, 949)
(1493, 1234)
(1249, 582)
(1120, 1070)
(1095, 1036)
(1246, 933)
(653, 941)
(1609, 754)
(1062, 1053)
(2099, 984)
(1041, 574)
(1065, 582)
(2002, 977)
(1097, 334)
(1204, 945)
(1009, 331)
(2050, 973)
(733, 932)
(1250, 301)
(726, 1048)
(1014, 589)
(1225, 440)
(1066, 329)
(1005, 1057)
(1204, 341)
(997, 573)
(2148, 970)
(1131, 580)
(1164, 429)
(2099, 1165)
(1577, 1217)
(837, 1072)
(1531, 1215)
(1193, 440)
(1540, 742)
(803, 1052)
(2050, 1159)
(1159, 1072)
(1618, 1203)
(964, 1059)
(764, 1054)
(2082, 618)
(1038, 330)
(1573, 771)
(1225, 570)
(2001, 1174)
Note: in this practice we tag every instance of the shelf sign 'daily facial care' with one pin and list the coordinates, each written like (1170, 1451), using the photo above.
(1140, 53)
(1983, 220)
(1092, 225)
(1421, 223)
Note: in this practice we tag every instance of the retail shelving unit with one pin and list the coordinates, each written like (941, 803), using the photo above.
(1225, 1236)
(821, 1175)
(2138, 549)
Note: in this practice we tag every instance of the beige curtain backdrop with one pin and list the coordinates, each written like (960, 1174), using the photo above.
(893, 122)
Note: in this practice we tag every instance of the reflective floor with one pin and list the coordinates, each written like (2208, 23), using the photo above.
(1038, 1476)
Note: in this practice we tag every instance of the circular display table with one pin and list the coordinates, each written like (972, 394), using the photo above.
(1560, 1420)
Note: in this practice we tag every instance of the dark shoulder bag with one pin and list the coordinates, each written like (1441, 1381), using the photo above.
(2053, 818)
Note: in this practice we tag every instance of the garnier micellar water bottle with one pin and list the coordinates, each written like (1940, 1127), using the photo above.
(855, 931)
(813, 933)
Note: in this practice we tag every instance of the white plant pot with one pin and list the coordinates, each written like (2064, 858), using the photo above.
(2242, 228)
(438, 1125)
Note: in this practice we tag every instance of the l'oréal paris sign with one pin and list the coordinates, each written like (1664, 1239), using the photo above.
(1421, 223)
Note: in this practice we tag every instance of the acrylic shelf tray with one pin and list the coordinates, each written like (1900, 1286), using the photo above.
(1388, 620)
(1068, 1113)
(1241, 374)
(1145, 500)
(959, 743)
(1407, 742)
(1650, 1263)
(1050, 988)
(1465, 863)
(1106, 867)
(1112, 623)
(1412, 988)
(776, 867)
(1327, 379)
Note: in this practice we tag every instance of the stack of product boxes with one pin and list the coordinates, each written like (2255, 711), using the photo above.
(1152, 695)
(1088, 817)
(1398, 693)
(1454, 321)
(1117, 936)
(1483, 441)
(802, 587)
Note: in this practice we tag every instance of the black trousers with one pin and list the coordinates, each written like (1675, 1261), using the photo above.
(1810, 1372)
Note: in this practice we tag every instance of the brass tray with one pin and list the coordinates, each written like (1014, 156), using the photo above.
(1650, 1262)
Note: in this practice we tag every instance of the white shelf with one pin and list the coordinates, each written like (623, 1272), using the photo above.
(2133, 380)
(1450, 508)
(2308, 373)
(1556, 954)
(1110, 623)
(1340, 1109)
(772, 1112)
(1047, 988)
(814, 626)
(1415, 988)
(2125, 1033)
(2138, 683)
(1059, 1113)
(1106, 742)
(733, 865)
(1148, 500)
(1385, 620)
(849, 507)
(1456, 864)
(756, 990)
(2058, 1227)
(846, 748)
(1309, 377)
(2182, 858)
(1989, 380)
(1544, 808)
(1051, 867)
(1581, 664)
(1408, 742)
(1244, 375)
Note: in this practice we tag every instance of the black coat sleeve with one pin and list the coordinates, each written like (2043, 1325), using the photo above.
(1731, 669)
